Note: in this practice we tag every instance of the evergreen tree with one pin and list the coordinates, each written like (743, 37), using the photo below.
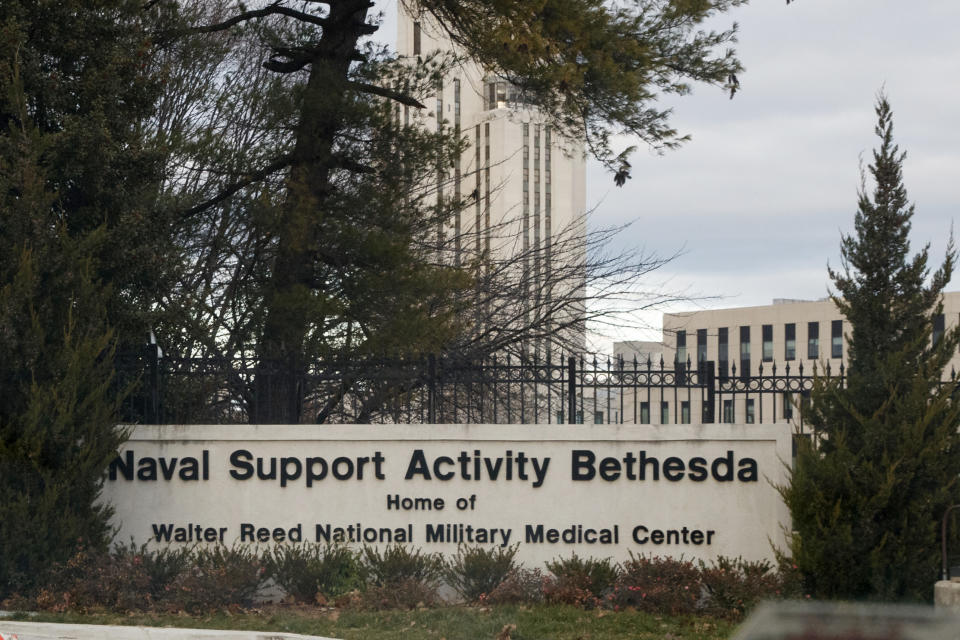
(74, 184)
(867, 494)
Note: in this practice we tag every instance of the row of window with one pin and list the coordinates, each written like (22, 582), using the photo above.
(766, 353)
(789, 342)
(749, 411)
(643, 418)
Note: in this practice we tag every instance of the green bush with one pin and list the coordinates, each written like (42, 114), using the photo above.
(399, 564)
(657, 585)
(474, 571)
(593, 574)
(306, 570)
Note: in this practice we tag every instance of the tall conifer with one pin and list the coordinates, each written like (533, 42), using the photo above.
(867, 494)
(74, 184)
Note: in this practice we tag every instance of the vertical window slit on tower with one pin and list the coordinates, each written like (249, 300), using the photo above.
(457, 194)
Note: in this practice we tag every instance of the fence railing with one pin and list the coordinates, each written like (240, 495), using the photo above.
(436, 390)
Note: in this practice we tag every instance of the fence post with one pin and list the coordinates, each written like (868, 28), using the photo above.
(432, 389)
(710, 381)
(571, 390)
(152, 410)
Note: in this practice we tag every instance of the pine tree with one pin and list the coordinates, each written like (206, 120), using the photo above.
(868, 493)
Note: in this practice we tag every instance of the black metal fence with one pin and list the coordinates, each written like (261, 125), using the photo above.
(437, 390)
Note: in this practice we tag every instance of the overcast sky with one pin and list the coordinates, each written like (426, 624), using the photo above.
(758, 198)
(760, 195)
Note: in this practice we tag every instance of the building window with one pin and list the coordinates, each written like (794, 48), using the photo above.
(416, 38)
(938, 327)
(723, 352)
(537, 255)
(836, 339)
(644, 413)
(701, 347)
(664, 413)
(681, 346)
(685, 412)
(750, 411)
(526, 190)
(813, 340)
(457, 175)
(598, 417)
(744, 352)
(767, 331)
(486, 194)
(787, 405)
(790, 341)
(497, 94)
(547, 207)
(477, 199)
(728, 411)
(456, 103)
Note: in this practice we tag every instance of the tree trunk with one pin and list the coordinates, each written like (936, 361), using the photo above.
(282, 363)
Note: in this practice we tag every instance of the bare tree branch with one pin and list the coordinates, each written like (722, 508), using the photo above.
(254, 14)
(234, 187)
(397, 96)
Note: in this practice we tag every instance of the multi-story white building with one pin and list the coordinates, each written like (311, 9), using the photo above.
(523, 186)
(759, 351)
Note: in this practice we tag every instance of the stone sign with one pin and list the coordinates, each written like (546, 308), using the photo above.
(698, 491)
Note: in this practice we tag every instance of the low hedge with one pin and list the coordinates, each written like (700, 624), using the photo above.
(205, 579)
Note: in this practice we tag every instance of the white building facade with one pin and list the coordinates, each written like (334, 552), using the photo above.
(522, 185)
(760, 357)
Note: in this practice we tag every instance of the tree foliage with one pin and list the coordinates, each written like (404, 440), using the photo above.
(597, 68)
(867, 494)
(75, 187)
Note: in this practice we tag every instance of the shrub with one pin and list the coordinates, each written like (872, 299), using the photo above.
(306, 570)
(475, 571)
(791, 579)
(519, 586)
(162, 566)
(733, 586)
(596, 575)
(407, 593)
(570, 590)
(94, 580)
(220, 577)
(398, 564)
(655, 584)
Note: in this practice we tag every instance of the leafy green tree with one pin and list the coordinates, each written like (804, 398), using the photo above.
(75, 185)
(597, 69)
(867, 494)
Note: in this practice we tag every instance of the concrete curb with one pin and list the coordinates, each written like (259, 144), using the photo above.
(52, 631)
